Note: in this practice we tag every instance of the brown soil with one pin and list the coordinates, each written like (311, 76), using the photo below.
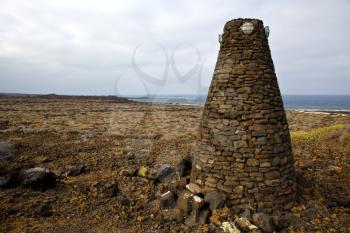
(109, 137)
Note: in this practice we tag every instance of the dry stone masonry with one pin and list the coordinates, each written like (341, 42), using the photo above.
(244, 143)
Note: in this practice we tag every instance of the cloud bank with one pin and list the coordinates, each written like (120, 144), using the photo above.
(116, 47)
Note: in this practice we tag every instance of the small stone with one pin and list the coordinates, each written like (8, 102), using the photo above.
(229, 227)
(173, 215)
(193, 188)
(141, 218)
(4, 181)
(184, 202)
(167, 200)
(310, 213)
(335, 169)
(45, 160)
(304, 163)
(110, 190)
(252, 162)
(124, 201)
(276, 161)
(43, 210)
(220, 215)
(238, 189)
(76, 170)
(128, 172)
(245, 225)
(246, 214)
(142, 171)
(197, 202)
(264, 222)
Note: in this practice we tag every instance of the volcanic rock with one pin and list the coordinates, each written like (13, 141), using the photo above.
(38, 178)
(43, 210)
(76, 170)
(264, 222)
(167, 200)
(215, 199)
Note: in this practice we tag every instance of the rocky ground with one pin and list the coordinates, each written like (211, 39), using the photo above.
(88, 165)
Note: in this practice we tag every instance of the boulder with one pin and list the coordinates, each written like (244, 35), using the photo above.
(183, 167)
(289, 220)
(38, 178)
(167, 200)
(197, 217)
(215, 199)
(264, 222)
(160, 172)
(184, 202)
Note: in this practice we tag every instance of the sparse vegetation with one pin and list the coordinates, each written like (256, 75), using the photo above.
(113, 140)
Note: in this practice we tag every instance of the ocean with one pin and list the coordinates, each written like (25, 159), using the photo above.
(300, 102)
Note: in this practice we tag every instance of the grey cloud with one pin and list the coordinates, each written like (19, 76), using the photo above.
(84, 47)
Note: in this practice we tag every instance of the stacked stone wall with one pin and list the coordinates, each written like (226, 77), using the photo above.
(244, 142)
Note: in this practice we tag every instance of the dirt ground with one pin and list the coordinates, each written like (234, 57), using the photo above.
(110, 139)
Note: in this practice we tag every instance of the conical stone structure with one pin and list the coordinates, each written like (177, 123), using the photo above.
(244, 142)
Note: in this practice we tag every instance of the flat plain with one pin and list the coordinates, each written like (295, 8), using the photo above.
(96, 148)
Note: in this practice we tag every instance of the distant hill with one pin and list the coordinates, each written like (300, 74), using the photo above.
(73, 97)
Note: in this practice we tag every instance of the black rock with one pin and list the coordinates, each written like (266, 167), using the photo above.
(292, 220)
(124, 201)
(76, 170)
(246, 214)
(264, 222)
(184, 202)
(167, 200)
(128, 172)
(111, 190)
(215, 199)
(5, 150)
(160, 172)
(43, 210)
(310, 213)
(197, 217)
(183, 168)
(4, 181)
(38, 178)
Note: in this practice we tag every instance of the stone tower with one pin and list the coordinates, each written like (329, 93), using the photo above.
(244, 142)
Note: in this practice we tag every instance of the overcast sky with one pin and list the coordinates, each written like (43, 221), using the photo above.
(103, 47)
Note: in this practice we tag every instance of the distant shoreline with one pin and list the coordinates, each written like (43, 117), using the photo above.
(135, 101)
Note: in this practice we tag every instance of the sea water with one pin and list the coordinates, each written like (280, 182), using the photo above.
(302, 102)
